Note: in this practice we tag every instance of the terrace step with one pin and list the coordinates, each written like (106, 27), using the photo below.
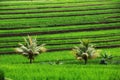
(52, 11)
(62, 15)
(61, 31)
(63, 49)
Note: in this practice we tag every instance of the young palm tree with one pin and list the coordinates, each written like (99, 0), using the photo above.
(30, 49)
(85, 51)
(106, 58)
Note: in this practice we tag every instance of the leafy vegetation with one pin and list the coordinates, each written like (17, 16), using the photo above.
(105, 58)
(30, 49)
(85, 50)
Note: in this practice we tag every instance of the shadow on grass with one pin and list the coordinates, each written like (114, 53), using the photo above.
(66, 61)
(115, 61)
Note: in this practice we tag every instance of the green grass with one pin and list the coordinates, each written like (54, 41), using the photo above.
(63, 46)
(52, 2)
(77, 35)
(58, 14)
(70, 69)
(49, 1)
(54, 5)
(69, 35)
(63, 41)
(63, 29)
(59, 21)
(84, 8)
(51, 56)
(62, 72)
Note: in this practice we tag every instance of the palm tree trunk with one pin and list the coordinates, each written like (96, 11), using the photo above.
(30, 61)
(85, 57)
(86, 61)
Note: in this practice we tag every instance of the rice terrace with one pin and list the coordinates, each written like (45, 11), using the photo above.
(59, 39)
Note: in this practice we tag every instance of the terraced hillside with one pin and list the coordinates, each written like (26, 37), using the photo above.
(60, 25)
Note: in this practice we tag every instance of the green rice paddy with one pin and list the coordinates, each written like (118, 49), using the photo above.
(60, 24)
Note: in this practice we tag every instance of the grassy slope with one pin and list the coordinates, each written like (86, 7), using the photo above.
(13, 64)
(61, 72)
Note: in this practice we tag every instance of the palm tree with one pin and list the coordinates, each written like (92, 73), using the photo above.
(85, 51)
(106, 58)
(30, 49)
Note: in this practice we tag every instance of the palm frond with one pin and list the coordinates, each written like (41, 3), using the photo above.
(20, 44)
(25, 54)
(106, 56)
(85, 42)
(43, 49)
(30, 40)
(26, 42)
(25, 49)
(18, 50)
(42, 45)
